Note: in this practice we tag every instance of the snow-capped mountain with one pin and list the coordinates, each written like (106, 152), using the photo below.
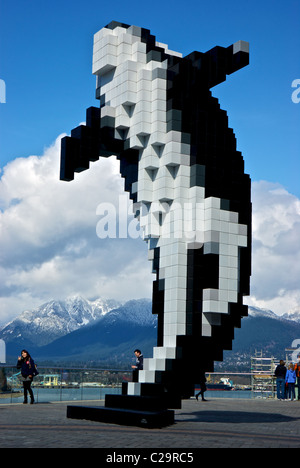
(55, 319)
(255, 312)
(82, 329)
(293, 315)
(112, 338)
(138, 312)
(100, 331)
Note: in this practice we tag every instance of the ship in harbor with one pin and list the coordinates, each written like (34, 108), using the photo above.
(224, 384)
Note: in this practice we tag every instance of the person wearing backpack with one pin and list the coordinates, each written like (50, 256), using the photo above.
(297, 370)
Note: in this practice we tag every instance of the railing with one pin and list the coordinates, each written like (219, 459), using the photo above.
(75, 384)
(62, 384)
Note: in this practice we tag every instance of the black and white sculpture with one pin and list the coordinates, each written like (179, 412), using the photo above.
(181, 166)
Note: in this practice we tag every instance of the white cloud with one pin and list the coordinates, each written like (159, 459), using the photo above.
(276, 248)
(49, 246)
(50, 250)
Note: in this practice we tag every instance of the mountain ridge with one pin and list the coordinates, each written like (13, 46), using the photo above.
(109, 337)
(95, 331)
(55, 319)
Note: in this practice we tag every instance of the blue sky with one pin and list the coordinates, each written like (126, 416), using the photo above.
(46, 55)
(49, 248)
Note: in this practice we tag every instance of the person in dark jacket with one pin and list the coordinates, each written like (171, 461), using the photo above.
(139, 365)
(280, 374)
(28, 371)
(203, 387)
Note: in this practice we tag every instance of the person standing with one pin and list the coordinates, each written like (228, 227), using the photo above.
(280, 374)
(28, 371)
(290, 379)
(139, 365)
(297, 369)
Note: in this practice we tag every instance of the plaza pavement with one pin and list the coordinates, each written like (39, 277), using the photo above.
(218, 423)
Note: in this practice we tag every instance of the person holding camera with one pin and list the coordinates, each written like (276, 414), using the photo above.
(28, 371)
(139, 365)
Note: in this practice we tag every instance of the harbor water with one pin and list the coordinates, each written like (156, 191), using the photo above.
(77, 384)
(47, 395)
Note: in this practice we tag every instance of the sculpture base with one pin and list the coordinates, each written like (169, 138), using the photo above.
(125, 417)
(152, 407)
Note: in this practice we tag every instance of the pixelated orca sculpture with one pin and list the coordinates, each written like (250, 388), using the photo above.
(182, 169)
